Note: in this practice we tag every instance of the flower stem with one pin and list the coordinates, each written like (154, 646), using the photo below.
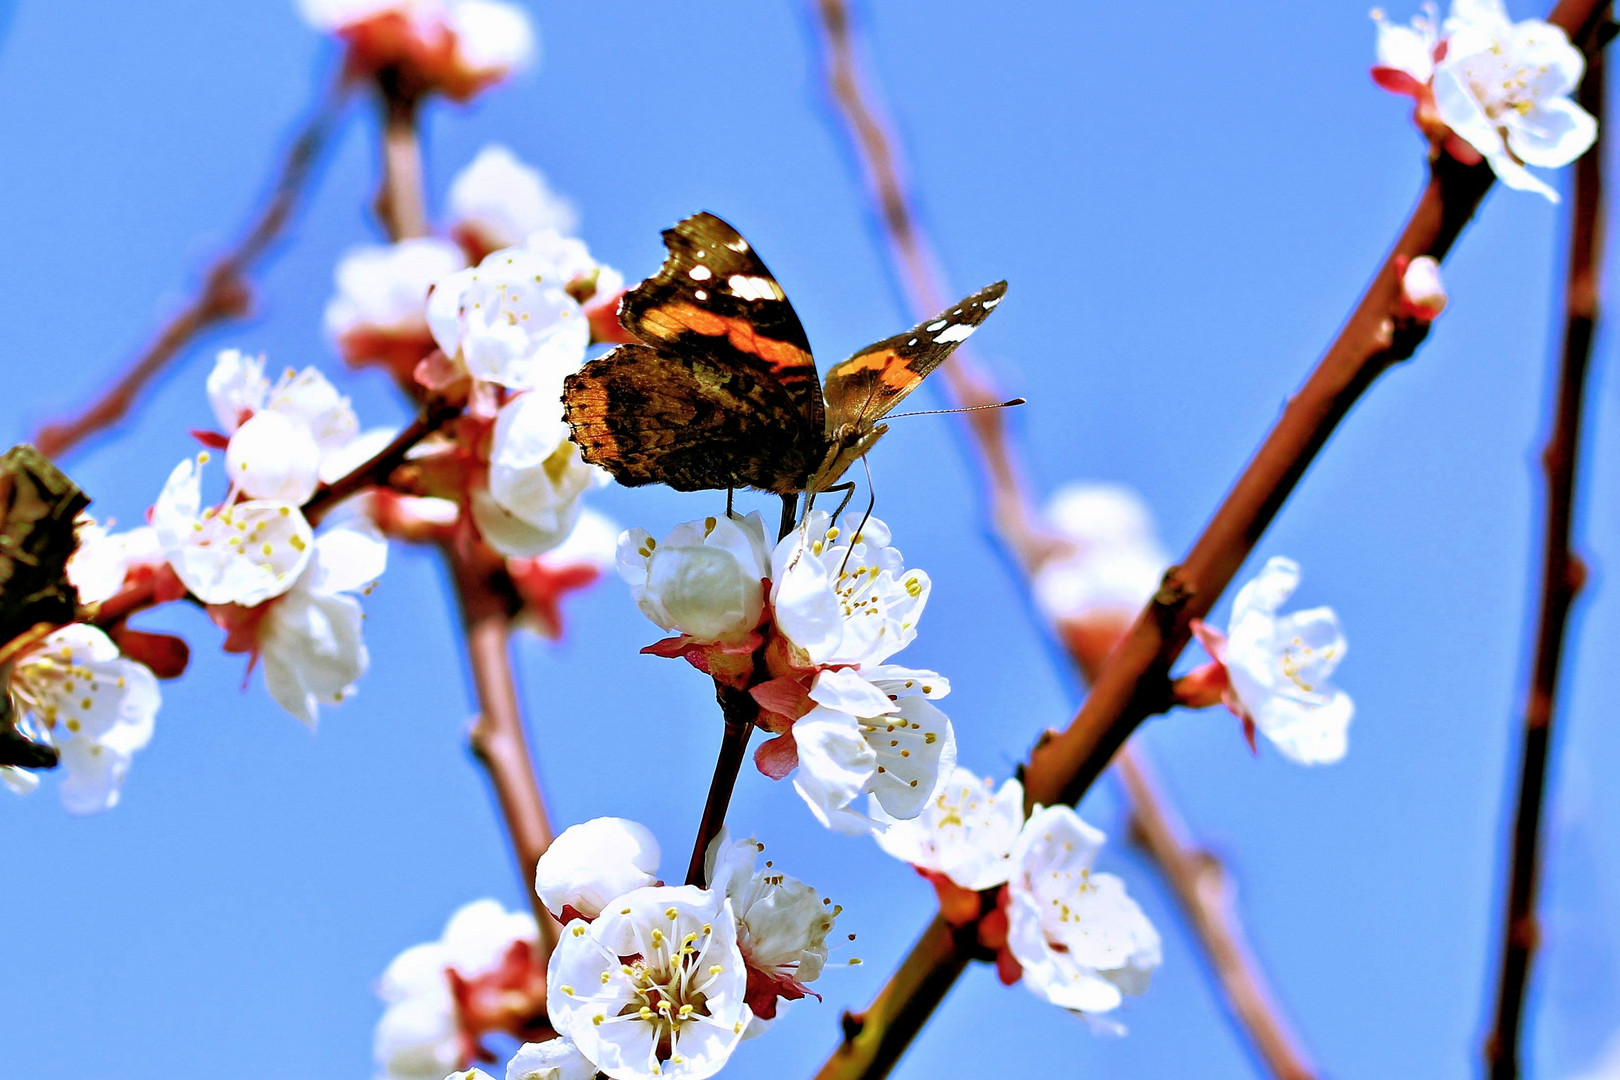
(224, 294)
(1562, 576)
(376, 471)
(496, 737)
(739, 710)
(400, 201)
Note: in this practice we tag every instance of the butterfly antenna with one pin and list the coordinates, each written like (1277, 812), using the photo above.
(870, 502)
(971, 408)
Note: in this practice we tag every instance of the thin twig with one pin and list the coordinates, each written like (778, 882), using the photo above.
(496, 737)
(484, 591)
(401, 202)
(739, 710)
(1562, 576)
(1133, 684)
(1190, 871)
(225, 292)
(376, 471)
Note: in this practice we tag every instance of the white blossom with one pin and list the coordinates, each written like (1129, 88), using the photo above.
(705, 579)
(419, 1036)
(241, 553)
(98, 566)
(872, 733)
(1409, 48)
(490, 38)
(966, 832)
(554, 1059)
(280, 434)
(310, 639)
(1081, 941)
(499, 201)
(96, 707)
(653, 987)
(511, 322)
(842, 597)
(1278, 667)
(382, 292)
(595, 862)
(1110, 560)
(536, 479)
(782, 923)
(1503, 87)
(493, 38)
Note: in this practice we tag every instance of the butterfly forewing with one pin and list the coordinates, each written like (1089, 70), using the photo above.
(724, 393)
(713, 297)
(873, 381)
(651, 417)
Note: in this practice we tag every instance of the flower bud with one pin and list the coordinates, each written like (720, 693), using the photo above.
(273, 456)
(1423, 294)
(703, 579)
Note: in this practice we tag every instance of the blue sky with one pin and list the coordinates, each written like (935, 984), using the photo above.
(1186, 199)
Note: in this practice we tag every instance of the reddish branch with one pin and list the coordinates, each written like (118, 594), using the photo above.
(1134, 683)
(488, 599)
(376, 471)
(487, 606)
(739, 710)
(1562, 576)
(225, 290)
(1195, 877)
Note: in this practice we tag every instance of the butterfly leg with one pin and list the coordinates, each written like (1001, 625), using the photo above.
(871, 501)
(790, 515)
(847, 487)
(729, 493)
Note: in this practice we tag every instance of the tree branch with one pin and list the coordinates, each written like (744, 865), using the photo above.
(1194, 876)
(485, 593)
(1133, 683)
(1562, 576)
(376, 471)
(496, 738)
(225, 290)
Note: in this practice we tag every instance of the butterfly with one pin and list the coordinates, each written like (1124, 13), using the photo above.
(722, 391)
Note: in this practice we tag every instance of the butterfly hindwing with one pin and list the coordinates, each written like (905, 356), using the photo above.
(873, 381)
(651, 416)
(714, 299)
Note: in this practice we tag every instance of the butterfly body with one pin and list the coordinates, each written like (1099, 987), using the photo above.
(722, 391)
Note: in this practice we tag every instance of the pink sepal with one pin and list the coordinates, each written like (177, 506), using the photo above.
(1397, 81)
(777, 757)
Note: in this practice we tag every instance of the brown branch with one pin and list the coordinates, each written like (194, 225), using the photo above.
(376, 471)
(400, 201)
(1201, 885)
(1133, 684)
(484, 591)
(496, 738)
(1195, 877)
(1562, 576)
(225, 290)
(739, 710)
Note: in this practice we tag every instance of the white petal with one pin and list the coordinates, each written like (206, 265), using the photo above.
(595, 862)
(1552, 135)
(554, 1059)
(350, 554)
(836, 765)
(273, 456)
(236, 387)
(504, 200)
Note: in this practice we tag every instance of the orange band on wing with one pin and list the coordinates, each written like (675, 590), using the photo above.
(672, 318)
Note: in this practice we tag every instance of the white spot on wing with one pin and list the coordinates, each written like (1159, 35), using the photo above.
(988, 304)
(738, 244)
(752, 288)
(701, 294)
(936, 327)
(959, 332)
(699, 273)
(910, 343)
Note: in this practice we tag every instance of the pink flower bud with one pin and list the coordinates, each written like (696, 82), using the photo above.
(1423, 294)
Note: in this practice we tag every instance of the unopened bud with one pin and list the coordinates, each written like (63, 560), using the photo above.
(1423, 294)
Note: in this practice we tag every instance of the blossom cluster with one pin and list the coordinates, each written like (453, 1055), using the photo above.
(806, 629)
(647, 980)
(1487, 88)
(494, 339)
(1074, 938)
